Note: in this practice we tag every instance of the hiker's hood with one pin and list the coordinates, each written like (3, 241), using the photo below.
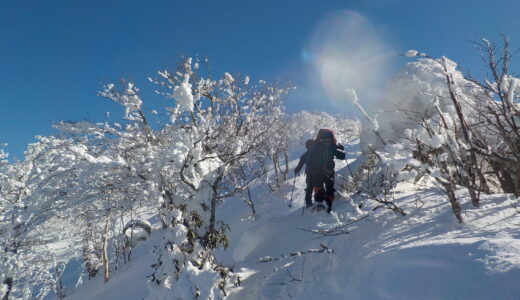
(322, 133)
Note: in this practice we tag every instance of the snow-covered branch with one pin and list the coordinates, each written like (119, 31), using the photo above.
(323, 249)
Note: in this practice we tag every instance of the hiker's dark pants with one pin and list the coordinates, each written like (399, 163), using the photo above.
(308, 190)
(326, 193)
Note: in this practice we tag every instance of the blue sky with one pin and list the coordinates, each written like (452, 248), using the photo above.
(55, 55)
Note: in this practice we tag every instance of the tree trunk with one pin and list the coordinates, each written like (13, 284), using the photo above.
(504, 178)
(455, 206)
(214, 199)
(473, 168)
(105, 251)
(286, 173)
(517, 185)
(251, 204)
(60, 291)
(276, 172)
(9, 282)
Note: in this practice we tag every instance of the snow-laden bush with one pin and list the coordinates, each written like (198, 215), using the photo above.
(28, 266)
(428, 140)
(93, 178)
(216, 126)
(457, 130)
(415, 90)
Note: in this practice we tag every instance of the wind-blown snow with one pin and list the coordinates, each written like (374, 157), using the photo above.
(417, 88)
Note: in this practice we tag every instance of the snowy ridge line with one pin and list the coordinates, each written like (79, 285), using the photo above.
(324, 249)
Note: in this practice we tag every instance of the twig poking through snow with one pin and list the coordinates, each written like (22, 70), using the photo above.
(324, 249)
(335, 230)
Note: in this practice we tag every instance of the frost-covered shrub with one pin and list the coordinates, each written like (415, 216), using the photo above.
(95, 177)
(223, 125)
(430, 138)
(497, 140)
(26, 265)
(414, 91)
(403, 139)
(458, 131)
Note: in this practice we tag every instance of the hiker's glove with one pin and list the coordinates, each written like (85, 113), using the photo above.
(341, 147)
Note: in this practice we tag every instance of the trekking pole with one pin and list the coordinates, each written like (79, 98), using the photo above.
(292, 192)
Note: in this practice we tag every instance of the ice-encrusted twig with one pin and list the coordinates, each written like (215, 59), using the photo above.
(324, 249)
(352, 95)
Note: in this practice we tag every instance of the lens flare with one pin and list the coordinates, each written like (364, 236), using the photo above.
(306, 55)
(348, 52)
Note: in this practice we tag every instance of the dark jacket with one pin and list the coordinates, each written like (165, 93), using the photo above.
(302, 161)
(320, 158)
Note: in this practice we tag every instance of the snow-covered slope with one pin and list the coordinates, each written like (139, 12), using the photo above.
(424, 255)
(380, 255)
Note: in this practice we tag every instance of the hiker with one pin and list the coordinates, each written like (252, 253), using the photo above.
(320, 166)
(308, 185)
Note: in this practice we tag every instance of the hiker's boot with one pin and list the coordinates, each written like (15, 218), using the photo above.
(329, 198)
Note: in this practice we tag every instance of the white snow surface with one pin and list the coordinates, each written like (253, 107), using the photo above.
(423, 255)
